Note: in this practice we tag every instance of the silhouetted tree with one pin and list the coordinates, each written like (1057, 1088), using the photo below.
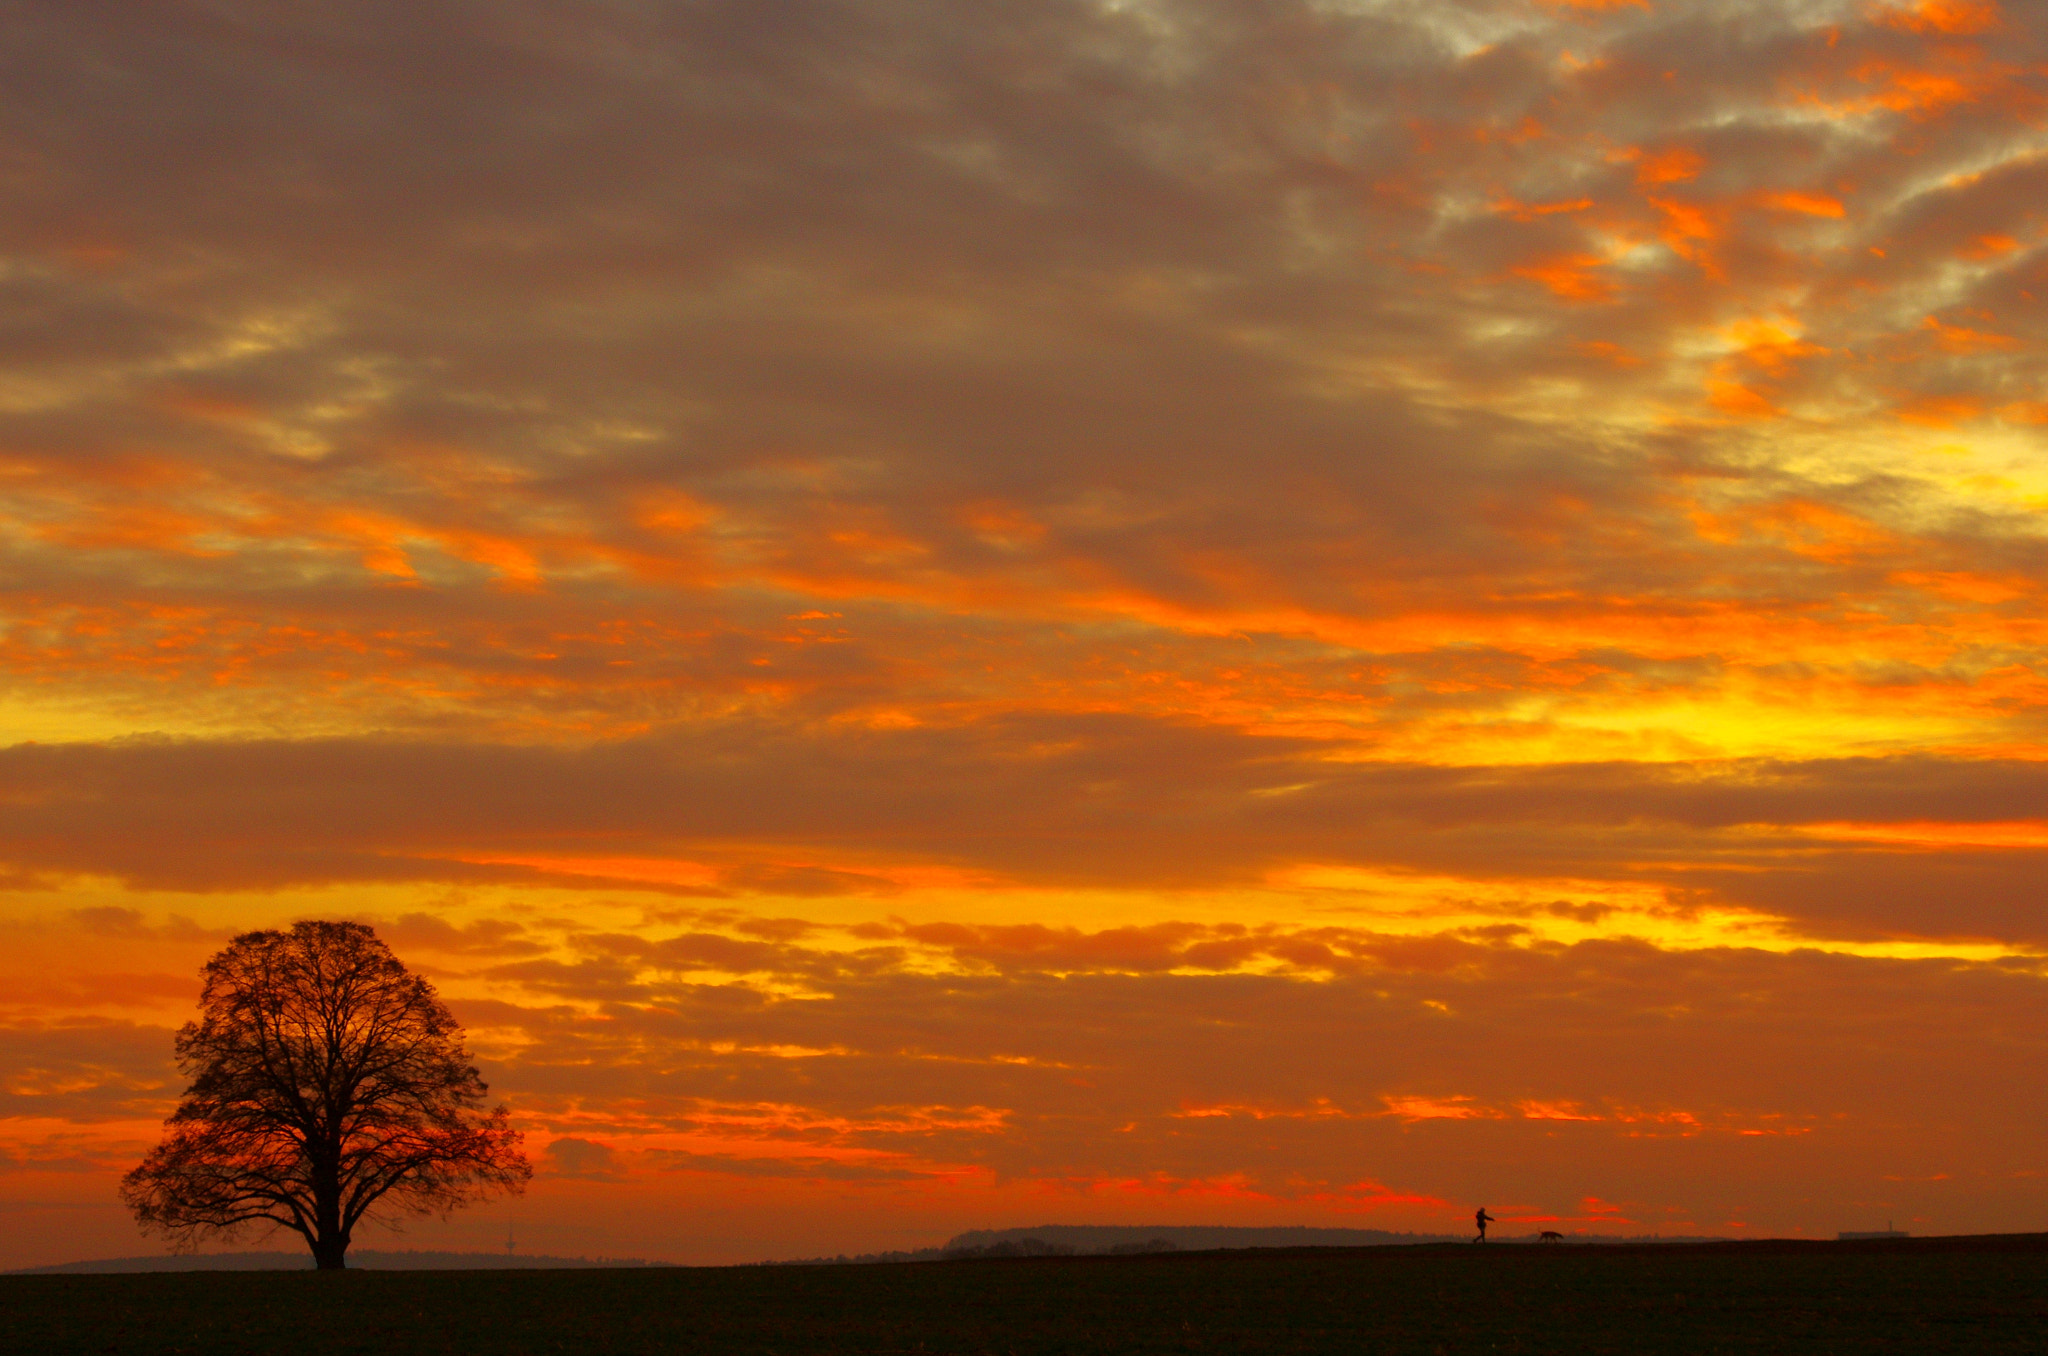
(328, 1081)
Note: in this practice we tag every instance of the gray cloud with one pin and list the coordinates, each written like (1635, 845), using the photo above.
(1048, 799)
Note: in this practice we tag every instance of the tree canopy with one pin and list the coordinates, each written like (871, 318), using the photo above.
(329, 1085)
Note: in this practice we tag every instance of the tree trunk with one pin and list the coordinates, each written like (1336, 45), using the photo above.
(329, 1250)
(330, 1240)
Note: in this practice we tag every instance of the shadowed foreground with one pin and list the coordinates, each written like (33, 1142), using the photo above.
(1925, 1295)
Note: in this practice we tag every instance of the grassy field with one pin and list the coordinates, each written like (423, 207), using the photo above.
(1923, 1295)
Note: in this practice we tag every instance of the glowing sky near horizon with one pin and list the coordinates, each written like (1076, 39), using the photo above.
(942, 613)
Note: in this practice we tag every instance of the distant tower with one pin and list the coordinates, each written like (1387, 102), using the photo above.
(508, 1238)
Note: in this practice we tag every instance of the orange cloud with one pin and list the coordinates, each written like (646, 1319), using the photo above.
(1459, 1108)
(1571, 277)
(2021, 834)
(1607, 351)
(1555, 1111)
(1945, 16)
(1732, 397)
(1927, 91)
(1523, 211)
(1962, 339)
(1937, 411)
(1673, 165)
(1990, 245)
(1690, 230)
(1807, 204)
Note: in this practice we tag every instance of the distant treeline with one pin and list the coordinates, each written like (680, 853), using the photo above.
(1096, 1240)
(362, 1259)
(1102, 1238)
(955, 1251)
(1116, 1240)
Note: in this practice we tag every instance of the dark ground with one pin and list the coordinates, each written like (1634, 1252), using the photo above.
(1920, 1295)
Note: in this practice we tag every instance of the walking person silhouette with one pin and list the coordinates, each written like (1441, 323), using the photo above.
(1482, 1219)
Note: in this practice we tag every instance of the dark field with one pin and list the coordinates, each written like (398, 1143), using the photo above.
(1923, 1295)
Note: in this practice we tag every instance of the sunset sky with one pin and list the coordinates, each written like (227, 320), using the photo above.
(933, 614)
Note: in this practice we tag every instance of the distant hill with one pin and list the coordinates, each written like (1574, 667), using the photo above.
(361, 1259)
(1070, 1240)
(1093, 1238)
(1102, 1238)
